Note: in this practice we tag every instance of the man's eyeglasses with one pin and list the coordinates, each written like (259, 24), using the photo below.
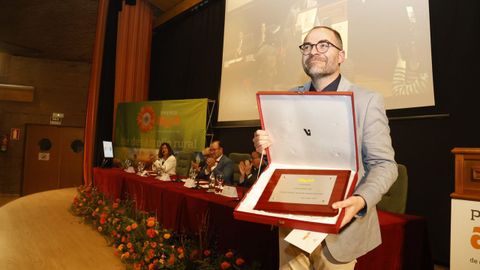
(322, 47)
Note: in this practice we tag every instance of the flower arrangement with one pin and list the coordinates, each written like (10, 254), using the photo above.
(140, 240)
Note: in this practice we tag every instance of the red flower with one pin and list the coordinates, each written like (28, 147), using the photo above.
(229, 254)
(207, 252)
(239, 261)
(151, 233)
(225, 265)
(151, 253)
(194, 254)
(125, 255)
(103, 218)
(171, 260)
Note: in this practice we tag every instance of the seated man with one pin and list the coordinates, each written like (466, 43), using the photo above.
(200, 161)
(249, 170)
(217, 163)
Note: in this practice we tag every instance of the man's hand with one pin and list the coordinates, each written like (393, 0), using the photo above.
(352, 205)
(210, 162)
(248, 167)
(261, 140)
(241, 168)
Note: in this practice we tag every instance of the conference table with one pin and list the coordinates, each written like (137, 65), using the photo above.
(196, 211)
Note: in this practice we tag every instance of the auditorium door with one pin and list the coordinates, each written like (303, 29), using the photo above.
(53, 158)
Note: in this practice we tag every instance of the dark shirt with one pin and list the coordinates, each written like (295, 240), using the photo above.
(332, 87)
(250, 179)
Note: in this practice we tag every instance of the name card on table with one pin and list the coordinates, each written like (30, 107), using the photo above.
(229, 191)
(130, 170)
(143, 174)
(189, 183)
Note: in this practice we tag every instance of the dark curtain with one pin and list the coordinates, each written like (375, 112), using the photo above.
(187, 54)
(104, 124)
(187, 61)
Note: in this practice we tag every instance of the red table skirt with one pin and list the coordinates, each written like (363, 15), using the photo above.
(404, 238)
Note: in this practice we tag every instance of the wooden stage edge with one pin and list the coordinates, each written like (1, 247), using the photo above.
(38, 232)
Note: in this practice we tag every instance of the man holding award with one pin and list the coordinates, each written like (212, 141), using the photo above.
(322, 55)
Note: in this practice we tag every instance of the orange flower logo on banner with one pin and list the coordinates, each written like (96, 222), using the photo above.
(167, 122)
(146, 118)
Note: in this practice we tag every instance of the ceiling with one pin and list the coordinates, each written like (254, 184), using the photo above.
(62, 29)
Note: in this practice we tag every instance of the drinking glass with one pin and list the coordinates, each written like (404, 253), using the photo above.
(140, 166)
(192, 173)
(219, 183)
(127, 163)
(211, 183)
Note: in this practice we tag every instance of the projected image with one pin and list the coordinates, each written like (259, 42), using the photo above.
(387, 45)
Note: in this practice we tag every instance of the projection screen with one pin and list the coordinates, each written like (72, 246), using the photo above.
(387, 44)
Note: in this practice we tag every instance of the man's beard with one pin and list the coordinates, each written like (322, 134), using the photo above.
(319, 68)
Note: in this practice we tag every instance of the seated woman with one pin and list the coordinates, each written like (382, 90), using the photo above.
(167, 163)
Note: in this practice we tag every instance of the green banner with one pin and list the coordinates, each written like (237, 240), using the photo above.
(141, 127)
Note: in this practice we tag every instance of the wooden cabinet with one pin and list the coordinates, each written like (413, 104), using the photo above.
(465, 216)
(467, 173)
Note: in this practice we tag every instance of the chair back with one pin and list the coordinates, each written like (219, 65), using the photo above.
(236, 158)
(184, 161)
(395, 200)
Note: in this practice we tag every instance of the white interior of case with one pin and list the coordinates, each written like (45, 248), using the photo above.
(331, 143)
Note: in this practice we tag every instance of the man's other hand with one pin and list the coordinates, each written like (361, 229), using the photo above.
(352, 206)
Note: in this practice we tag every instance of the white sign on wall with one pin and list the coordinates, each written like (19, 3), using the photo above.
(465, 235)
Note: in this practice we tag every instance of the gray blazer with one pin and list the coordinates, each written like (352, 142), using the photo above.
(377, 172)
(225, 166)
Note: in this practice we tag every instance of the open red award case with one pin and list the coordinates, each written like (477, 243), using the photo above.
(313, 160)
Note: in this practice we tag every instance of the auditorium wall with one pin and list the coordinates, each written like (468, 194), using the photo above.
(60, 86)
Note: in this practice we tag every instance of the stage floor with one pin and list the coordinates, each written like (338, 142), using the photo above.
(38, 232)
